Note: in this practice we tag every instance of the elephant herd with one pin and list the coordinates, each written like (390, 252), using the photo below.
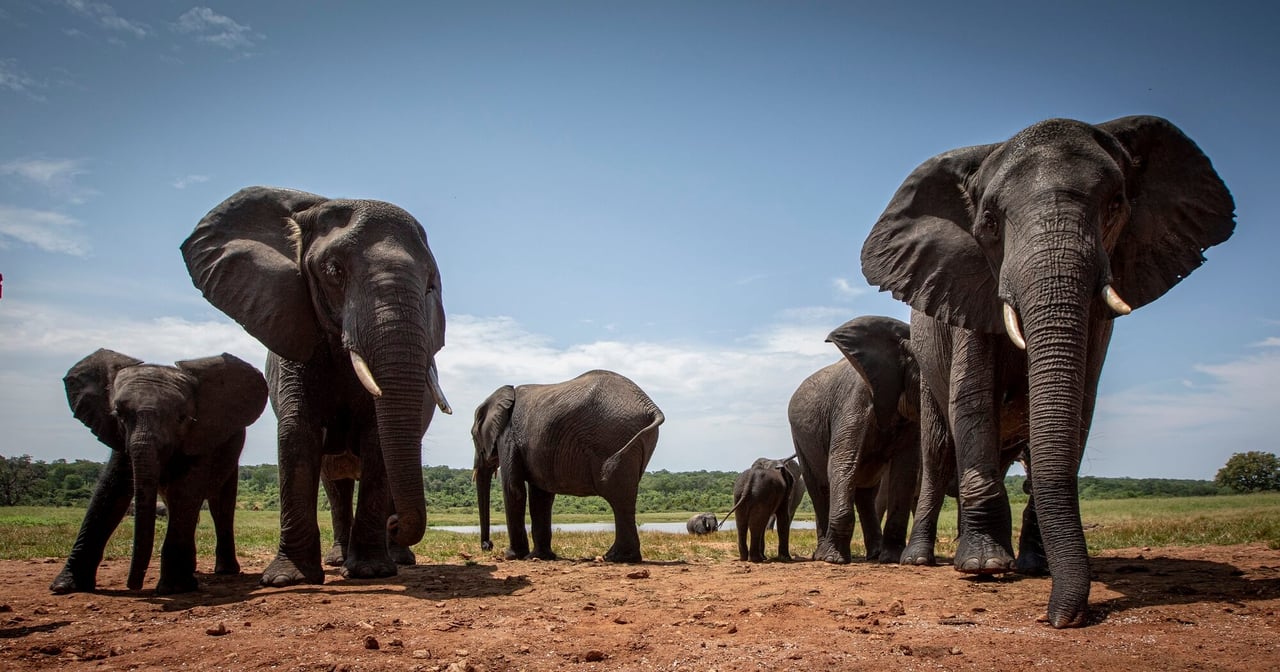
(1014, 257)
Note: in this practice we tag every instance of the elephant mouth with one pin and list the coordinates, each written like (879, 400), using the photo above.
(365, 376)
(1013, 328)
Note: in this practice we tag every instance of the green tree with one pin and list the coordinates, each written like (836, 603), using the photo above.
(1253, 471)
(18, 480)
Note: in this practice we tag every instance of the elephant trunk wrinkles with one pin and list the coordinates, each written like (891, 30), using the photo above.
(1055, 311)
(142, 452)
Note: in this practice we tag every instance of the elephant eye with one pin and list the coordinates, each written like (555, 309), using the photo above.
(1117, 202)
(333, 271)
(988, 227)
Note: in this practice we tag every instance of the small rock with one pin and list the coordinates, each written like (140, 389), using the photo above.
(371, 642)
(422, 654)
(593, 656)
(523, 648)
(638, 574)
(4, 608)
(621, 620)
(91, 606)
(732, 629)
(40, 611)
(955, 651)
(896, 609)
(397, 642)
(218, 630)
(117, 651)
(462, 653)
(48, 649)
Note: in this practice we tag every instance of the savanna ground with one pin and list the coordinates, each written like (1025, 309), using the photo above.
(1190, 583)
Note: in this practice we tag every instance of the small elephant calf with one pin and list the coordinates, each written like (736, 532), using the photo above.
(176, 431)
(765, 491)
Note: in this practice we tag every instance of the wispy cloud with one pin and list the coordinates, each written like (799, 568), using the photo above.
(216, 29)
(188, 180)
(848, 290)
(14, 79)
(58, 176)
(105, 16)
(43, 229)
(1270, 342)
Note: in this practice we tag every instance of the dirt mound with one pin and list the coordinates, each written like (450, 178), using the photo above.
(1214, 608)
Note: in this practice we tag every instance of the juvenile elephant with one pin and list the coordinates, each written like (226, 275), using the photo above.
(592, 435)
(764, 491)
(852, 423)
(346, 296)
(174, 431)
(702, 523)
(1015, 257)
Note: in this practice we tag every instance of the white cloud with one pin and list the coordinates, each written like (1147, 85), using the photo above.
(58, 176)
(848, 290)
(188, 180)
(1270, 342)
(220, 31)
(46, 230)
(14, 79)
(105, 15)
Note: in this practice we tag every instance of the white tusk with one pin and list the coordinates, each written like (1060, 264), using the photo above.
(1011, 326)
(1114, 301)
(433, 380)
(364, 374)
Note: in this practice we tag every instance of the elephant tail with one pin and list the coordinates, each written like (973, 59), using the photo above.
(726, 516)
(638, 442)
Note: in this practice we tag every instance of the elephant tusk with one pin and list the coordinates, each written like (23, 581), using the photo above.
(434, 381)
(1114, 301)
(1011, 326)
(364, 374)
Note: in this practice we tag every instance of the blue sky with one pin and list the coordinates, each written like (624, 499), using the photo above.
(676, 191)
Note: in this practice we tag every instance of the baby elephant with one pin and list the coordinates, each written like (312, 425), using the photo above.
(175, 431)
(765, 491)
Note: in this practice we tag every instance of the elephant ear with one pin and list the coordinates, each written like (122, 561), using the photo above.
(89, 383)
(1179, 208)
(492, 417)
(879, 348)
(921, 248)
(230, 395)
(243, 257)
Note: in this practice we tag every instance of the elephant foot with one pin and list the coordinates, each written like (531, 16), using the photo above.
(624, 555)
(543, 554)
(981, 554)
(401, 555)
(889, 555)
(285, 572)
(336, 556)
(1032, 564)
(228, 566)
(167, 586)
(919, 555)
(67, 582)
(833, 553)
(369, 569)
(513, 554)
(486, 545)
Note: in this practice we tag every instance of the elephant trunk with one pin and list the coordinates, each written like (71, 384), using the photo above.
(483, 478)
(145, 478)
(1056, 312)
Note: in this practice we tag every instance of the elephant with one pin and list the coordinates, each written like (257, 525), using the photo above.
(855, 424)
(702, 523)
(1015, 258)
(174, 431)
(345, 295)
(591, 435)
(765, 490)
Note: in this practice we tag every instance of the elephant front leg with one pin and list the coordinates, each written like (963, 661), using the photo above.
(783, 516)
(864, 500)
(298, 558)
(1031, 556)
(178, 554)
(540, 502)
(366, 554)
(107, 507)
(341, 495)
(514, 496)
(222, 508)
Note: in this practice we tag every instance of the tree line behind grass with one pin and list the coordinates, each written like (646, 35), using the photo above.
(28, 482)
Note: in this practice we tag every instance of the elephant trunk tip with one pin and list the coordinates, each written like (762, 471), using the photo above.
(405, 531)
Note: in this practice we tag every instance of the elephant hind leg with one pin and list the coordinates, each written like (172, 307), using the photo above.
(222, 508)
(341, 495)
(540, 502)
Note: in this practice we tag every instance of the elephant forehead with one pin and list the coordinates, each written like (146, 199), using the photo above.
(153, 386)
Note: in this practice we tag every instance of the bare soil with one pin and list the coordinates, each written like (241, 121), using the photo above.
(1210, 608)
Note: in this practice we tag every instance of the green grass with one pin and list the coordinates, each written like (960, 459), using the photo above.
(42, 532)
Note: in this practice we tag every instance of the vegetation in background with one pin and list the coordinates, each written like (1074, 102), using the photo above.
(1254, 471)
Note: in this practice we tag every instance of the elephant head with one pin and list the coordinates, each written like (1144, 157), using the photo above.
(353, 279)
(879, 348)
(493, 415)
(160, 413)
(1042, 237)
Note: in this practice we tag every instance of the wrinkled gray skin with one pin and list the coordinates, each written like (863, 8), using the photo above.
(763, 491)
(702, 523)
(174, 431)
(321, 283)
(338, 476)
(592, 435)
(854, 425)
(1042, 223)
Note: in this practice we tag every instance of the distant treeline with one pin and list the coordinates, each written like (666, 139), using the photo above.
(28, 482)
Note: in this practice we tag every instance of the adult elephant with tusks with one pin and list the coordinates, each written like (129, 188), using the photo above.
(345, 294)
(1015, 258)
(592, 435)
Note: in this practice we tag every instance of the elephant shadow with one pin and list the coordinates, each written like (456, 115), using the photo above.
(1161, 581)
(19, 631)
(424, 581)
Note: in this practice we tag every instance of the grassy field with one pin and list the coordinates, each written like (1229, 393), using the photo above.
(37, 532)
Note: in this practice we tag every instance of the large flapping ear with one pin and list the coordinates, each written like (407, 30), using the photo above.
(879, 348)
(1179, 208)
(492, 416)
(921, 248)
(244, 258)
(89, 383)
(230, 395)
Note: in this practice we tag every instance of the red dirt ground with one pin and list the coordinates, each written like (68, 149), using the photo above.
(1210, 608)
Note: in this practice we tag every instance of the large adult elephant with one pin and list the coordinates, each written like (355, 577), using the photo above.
(852, 423)
(174, 431)
(346, 296)
(592, 435)
(1015, 257)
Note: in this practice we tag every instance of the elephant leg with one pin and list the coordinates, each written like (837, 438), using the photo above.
(740, 524)
(985, 545)
(758, 521)
(107, 507)
(819, 495)
(178, 554)
(514, 496)
(222, 508)
(864, 499)
(842, 467)
(896, 495)
(540, 502)
(626, 541)
(937, 464)
(298, 558)
(341, 495)
(366, 552)
(783, 516)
